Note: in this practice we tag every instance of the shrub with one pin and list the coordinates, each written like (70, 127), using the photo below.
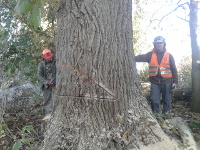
(184, 72)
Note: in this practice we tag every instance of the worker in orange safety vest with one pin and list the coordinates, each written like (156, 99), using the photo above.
(162, 76)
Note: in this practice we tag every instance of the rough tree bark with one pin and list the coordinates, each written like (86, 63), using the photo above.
(99, 104)
(195, 105)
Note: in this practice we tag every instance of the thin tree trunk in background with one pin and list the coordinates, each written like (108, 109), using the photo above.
(195, 105)
(99, 104)
(3, 100)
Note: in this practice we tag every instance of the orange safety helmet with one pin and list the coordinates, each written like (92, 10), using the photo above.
(46, 54)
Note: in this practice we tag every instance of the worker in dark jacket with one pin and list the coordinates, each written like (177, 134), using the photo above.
(47, 75)
(162, 75)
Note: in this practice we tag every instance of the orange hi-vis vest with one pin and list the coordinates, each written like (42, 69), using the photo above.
(164, 66)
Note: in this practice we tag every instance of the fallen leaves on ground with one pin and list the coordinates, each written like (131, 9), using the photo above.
(22, 115)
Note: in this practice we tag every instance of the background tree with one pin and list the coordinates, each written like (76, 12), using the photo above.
(184, 73)
(195, 56)
(140, 15)
(21, 45)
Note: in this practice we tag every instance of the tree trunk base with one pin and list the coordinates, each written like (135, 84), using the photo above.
(166, 143)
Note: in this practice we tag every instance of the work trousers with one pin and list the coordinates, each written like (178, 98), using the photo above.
(158, 90)
(48, 94)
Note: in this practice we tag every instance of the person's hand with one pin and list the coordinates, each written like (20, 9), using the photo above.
(174, 86)
(50, 82)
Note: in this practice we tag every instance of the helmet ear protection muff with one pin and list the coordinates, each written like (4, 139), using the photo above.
(159, 39)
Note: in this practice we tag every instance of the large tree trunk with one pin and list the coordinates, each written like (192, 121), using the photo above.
(195, 105)
(99, 104)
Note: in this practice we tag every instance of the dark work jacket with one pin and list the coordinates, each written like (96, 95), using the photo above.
(42, 75)
(159, 79)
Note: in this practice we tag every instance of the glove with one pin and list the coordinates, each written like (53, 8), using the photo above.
(174, 86)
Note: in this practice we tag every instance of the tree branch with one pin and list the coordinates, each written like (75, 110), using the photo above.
(172, 11)
(178, 2)
(183, 19)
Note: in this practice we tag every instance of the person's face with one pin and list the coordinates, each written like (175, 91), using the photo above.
(160, 46)
(49, 60)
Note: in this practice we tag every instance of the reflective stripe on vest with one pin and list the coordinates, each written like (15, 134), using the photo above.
(164, 66)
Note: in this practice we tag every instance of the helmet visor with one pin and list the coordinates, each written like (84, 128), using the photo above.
(159, 41)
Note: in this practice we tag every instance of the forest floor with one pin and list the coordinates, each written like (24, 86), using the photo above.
(24, 127)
